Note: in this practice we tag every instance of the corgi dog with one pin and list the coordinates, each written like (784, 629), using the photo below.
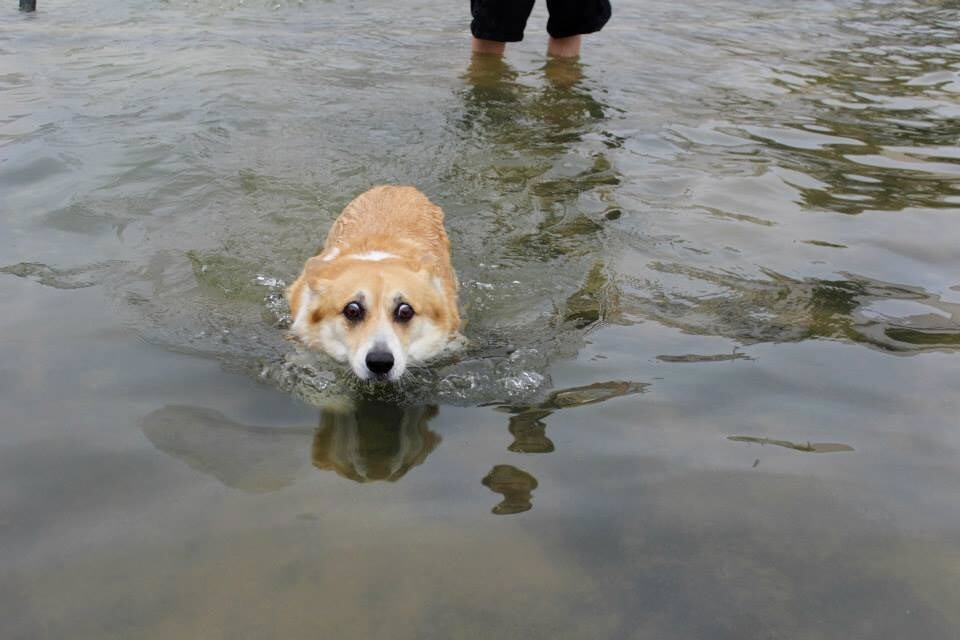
(382, 293)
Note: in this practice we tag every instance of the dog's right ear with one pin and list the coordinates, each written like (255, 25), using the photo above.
(308, 284)
(294, 296)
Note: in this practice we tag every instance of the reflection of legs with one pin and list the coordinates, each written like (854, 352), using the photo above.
(490, 71)
(530, 432)
(492, 97)
(515, 485)
(527, 424)
(563, 73)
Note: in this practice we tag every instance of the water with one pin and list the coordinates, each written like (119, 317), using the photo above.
(712, 282)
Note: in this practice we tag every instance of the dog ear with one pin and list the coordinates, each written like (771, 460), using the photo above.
(430, 264)
(295, 294)
(309, 283)
(427, 262)
(316, 272)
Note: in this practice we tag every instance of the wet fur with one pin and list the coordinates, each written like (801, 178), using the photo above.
(388, 245)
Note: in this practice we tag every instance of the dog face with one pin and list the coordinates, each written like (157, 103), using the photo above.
(379, 315)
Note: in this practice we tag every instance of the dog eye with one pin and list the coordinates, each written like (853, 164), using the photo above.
(403, 313)
(353, 312)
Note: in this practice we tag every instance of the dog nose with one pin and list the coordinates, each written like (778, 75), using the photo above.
(380, 362)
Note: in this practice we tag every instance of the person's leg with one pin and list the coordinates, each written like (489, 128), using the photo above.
(488, 46)
(564, 47)
(496, 22)
(569, 19)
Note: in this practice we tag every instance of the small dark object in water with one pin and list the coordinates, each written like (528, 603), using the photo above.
(809, 447)
(28, 5)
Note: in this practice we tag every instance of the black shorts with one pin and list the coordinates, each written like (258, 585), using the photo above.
(504, 20)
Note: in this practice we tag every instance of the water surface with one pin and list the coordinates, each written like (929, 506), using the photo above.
(712, 280)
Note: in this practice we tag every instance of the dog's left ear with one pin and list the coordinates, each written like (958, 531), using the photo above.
(428, 263)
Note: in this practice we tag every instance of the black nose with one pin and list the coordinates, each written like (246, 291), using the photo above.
(380, 362)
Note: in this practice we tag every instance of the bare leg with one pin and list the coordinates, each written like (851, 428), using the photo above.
(563, 47)
(488, 46)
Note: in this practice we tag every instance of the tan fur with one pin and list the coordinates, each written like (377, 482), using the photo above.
(388, 243)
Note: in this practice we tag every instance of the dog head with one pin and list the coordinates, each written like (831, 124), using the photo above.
(379, 315)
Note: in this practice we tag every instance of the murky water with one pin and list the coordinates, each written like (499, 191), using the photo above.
(712, 282)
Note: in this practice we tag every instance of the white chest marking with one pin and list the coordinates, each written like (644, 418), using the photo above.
(373, 256)
(333, 254)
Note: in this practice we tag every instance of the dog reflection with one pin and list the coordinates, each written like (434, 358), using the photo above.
(376, 441)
